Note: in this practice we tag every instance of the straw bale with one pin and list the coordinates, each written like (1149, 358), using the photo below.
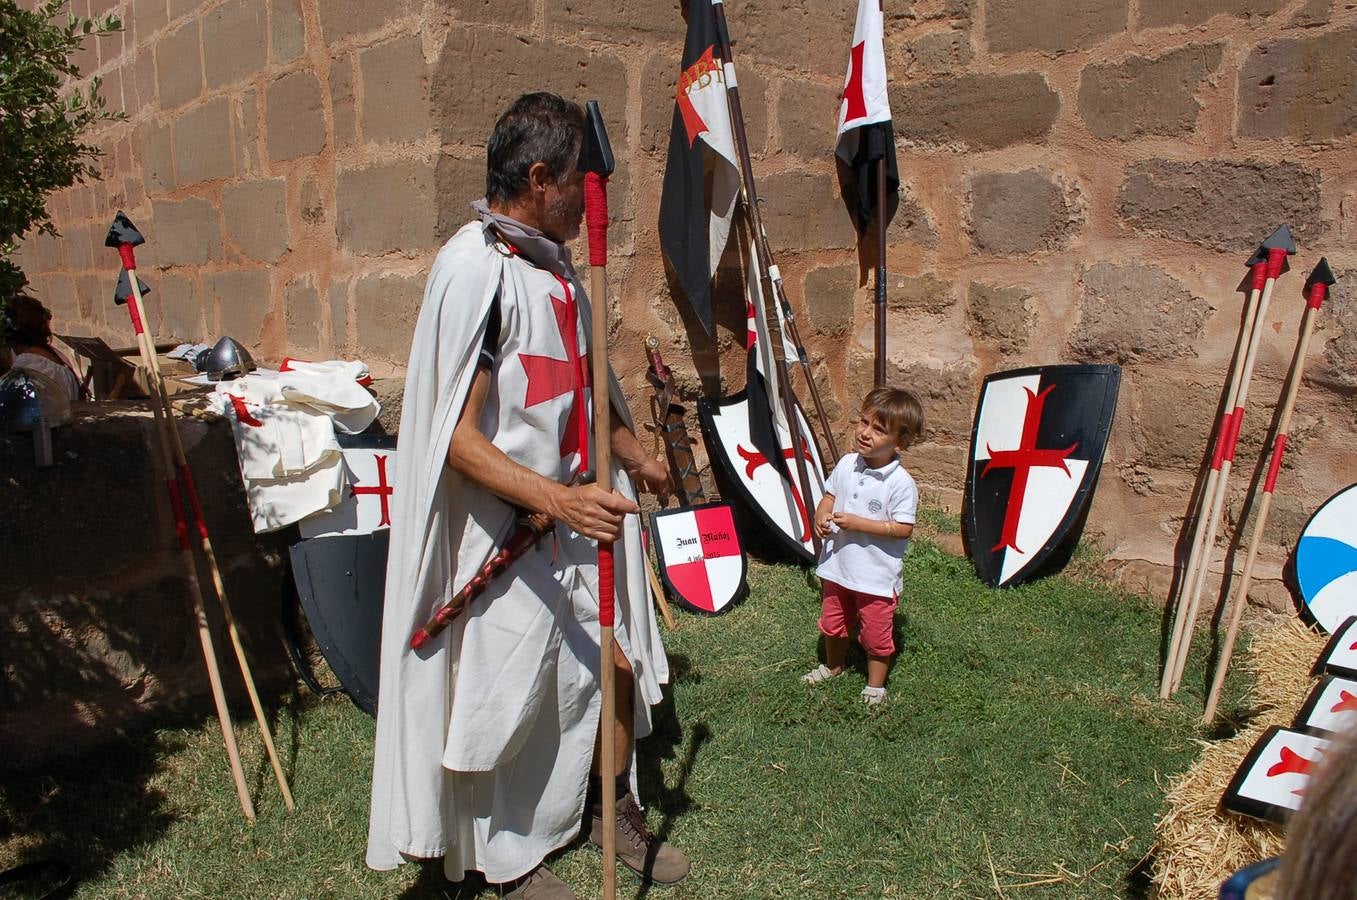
(1198, 844)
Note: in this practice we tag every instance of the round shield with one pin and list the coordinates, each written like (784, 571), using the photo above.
(1326, 561)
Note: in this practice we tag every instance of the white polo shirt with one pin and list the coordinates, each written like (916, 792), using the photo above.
(865, 562)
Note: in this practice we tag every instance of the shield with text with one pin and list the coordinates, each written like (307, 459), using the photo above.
(702, 563)
(1036, 449)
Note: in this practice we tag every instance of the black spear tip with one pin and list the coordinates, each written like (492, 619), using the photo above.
(122, 231)
(1281, 240)
(1320, 274)
(1259, 257)
(124, 290)
(596, 153)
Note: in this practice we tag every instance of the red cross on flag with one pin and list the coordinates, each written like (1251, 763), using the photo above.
(701, 175)
(865, 134)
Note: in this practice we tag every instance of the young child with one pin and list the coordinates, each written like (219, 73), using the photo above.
(865, 519)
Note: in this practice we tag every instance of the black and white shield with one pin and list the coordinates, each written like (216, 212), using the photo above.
(1036, 449)
(702, 563)
(340, 566)
(774, 504)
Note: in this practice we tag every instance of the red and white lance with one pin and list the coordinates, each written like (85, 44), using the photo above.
(1278, 246)
(596, 162)
(1316, 289)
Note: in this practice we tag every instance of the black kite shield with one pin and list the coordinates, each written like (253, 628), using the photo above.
(744, 472)
(1036, 449)
(340, 566)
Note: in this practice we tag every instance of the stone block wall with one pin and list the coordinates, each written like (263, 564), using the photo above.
(1082, 181)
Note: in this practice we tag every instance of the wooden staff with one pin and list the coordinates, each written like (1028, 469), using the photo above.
(1316, 289)
(800, 452)
(879, 323)
(596, 161)
(124, 236)
(1279, 246)
(1225, 441)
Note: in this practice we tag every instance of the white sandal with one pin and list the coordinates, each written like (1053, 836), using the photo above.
(820, 673)
(873, 695)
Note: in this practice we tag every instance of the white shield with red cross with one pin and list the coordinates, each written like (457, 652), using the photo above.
(1271, 781)
(773, 502)
(702, 563)
(1036, 451)
(1331, 706)
(369, 461)
(1339, 656)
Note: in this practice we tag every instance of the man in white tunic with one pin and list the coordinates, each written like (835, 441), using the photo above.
(487, 735)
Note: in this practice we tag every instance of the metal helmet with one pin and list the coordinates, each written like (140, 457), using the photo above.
(227, 360)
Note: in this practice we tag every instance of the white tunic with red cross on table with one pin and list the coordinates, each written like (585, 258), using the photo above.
(485, 735)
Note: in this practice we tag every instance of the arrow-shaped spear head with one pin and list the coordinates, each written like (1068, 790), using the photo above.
(596, 162)
(1258, 268)
(1278, 246)
(122, 231)
(1317, 285)
(596, 153)
(123, 292)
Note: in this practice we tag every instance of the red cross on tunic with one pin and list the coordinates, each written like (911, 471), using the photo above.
(1022, 461)
(383, 490)
(852, 92)
(549, 378)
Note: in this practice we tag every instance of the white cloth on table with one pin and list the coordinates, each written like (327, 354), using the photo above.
(60, 375)
(284, 429)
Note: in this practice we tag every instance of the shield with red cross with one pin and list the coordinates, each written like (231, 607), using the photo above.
(702, 563)
(369, 461)
(1271, 781)
(1036, 450)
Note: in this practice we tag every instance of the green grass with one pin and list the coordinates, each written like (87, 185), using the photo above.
(1022, 742)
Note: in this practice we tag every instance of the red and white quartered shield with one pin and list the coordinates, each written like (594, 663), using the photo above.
(1036, 451)
(702, 563)
(1271, 781)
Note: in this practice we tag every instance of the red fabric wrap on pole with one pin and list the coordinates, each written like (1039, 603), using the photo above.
(132, 310)
(606, 601)
(187, 475)
(1318, 291)
(1232, 436)
(1276, 256)
(1278, 450)
(1222, 435)
(129, 257)
(596, 215)
(177, 503)
(1259, 276)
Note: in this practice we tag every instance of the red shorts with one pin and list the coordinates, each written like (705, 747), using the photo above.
(843, 609)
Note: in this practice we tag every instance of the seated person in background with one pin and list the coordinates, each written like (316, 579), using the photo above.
(28, 332)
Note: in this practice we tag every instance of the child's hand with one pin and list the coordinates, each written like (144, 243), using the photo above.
(822, 520)
(848, 521)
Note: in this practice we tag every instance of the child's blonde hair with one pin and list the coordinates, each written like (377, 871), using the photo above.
(899, 410)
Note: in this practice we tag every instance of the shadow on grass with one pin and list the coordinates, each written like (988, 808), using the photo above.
(87, 808)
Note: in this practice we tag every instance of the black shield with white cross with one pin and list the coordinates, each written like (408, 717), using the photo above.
(1036, 449)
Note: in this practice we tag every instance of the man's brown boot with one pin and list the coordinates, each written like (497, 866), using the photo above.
(540, 884)
(642, 852)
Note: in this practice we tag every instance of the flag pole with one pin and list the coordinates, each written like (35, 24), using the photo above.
(765, 255)
(800, 452)
(880, 351)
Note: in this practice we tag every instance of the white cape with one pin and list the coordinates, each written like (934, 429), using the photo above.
(484, 737)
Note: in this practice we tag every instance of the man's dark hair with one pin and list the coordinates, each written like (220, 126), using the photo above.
(538, 127)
